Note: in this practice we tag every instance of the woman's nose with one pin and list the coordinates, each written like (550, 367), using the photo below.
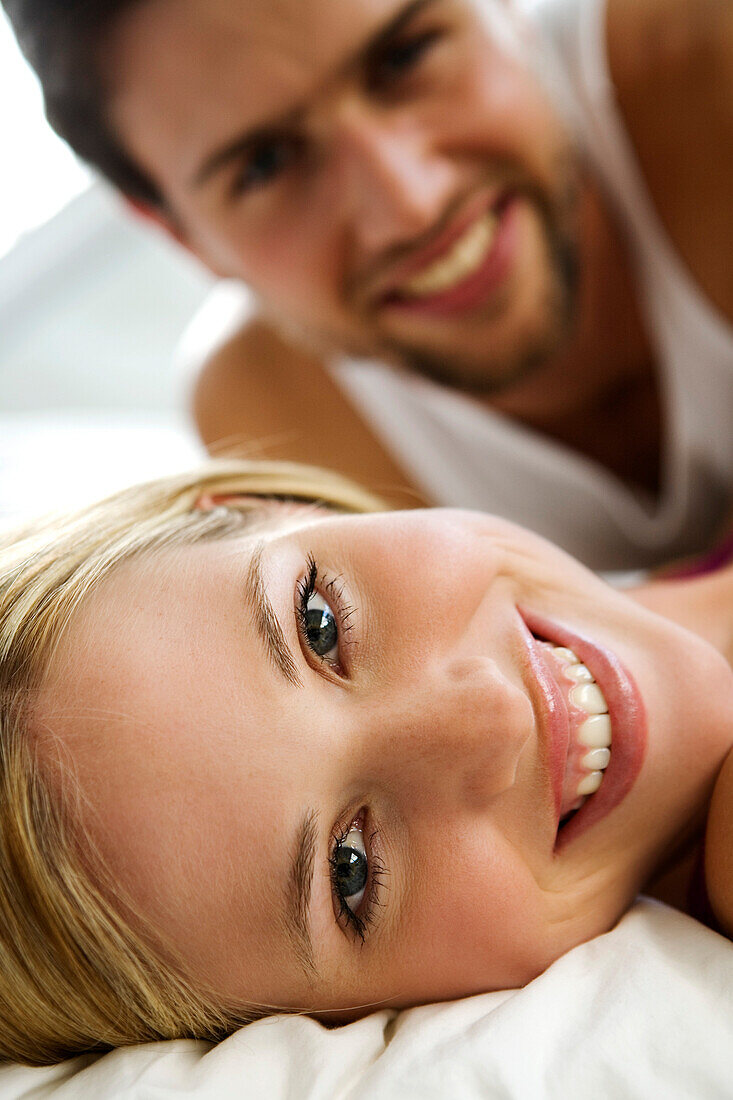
(455, 731)
(394, 187)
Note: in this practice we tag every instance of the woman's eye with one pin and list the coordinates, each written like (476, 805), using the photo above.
(321, 629)
(350, 869)
(324, 624)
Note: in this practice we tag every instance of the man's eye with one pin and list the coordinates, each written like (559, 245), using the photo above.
(265, 163)
(401, 57)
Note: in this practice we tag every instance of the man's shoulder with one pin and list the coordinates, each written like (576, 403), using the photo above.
(666, 33)
(260, 394)
(672, 67)
(255, 347)
(719, 847)
(256, 373)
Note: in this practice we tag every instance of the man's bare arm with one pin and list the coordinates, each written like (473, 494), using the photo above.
(260, 396)
(672, 67)
(719, 848)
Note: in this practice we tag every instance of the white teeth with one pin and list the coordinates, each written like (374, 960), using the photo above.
(461, 261)
(596, 732)
(596, 759)
(589, 698)
(579, 673)
(590, 784)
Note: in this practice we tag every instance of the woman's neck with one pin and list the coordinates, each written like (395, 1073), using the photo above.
(702, 604)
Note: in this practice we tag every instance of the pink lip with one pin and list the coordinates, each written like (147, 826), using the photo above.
(555, 717)
(476, 287)
(628, 724)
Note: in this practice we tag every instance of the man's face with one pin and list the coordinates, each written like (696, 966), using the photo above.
(386, 175)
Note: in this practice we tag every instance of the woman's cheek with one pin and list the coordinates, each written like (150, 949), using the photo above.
(481, 920)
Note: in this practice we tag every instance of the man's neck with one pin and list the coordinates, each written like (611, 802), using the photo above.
(598, 394)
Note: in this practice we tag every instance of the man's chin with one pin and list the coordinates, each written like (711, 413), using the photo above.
(484, 377)
(534, 346)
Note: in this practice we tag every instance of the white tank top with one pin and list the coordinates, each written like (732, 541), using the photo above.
(462, 454)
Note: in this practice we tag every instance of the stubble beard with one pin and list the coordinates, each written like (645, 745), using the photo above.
(492, 376)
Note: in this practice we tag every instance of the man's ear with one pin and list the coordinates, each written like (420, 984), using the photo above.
(153, 215)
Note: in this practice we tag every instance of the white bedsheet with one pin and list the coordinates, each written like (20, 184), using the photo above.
(645, 1011)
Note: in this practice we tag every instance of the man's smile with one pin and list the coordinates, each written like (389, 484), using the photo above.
(460, 267)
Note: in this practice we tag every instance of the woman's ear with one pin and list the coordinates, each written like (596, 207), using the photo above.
(208, 501)
(265, 506)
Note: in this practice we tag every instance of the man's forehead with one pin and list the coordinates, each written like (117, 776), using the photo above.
(313, 36)
(188, 73)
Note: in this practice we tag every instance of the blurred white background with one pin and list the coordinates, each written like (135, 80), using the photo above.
(40, 173)
(92, 308)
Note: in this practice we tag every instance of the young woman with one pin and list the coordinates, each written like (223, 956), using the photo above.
(265, 747)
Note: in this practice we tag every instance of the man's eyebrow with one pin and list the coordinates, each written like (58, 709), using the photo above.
(266, 622)
(298, 895)
(213, 162)
(389, 30)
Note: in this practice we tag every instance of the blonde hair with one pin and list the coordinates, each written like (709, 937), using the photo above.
(74, 976)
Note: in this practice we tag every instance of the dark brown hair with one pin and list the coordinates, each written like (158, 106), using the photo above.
(62, 40)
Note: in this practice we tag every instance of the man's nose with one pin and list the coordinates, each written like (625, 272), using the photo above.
(454, 732)
(392, 186)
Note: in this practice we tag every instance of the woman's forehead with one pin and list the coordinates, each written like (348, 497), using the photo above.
(156, 707)
(170, 605)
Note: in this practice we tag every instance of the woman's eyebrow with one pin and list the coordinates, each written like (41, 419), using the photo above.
(298, 895)
(266, 621)
(297, 899)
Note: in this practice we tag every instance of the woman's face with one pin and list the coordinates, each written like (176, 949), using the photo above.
(327, 759)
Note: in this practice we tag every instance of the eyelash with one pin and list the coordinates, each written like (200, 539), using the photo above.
(376, 871)
(309, 586)
(414, 48)
(273, 147)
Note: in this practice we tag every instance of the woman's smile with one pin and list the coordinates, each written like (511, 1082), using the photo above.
(596, 721)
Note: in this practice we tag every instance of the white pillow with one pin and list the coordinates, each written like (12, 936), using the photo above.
(645, 1011)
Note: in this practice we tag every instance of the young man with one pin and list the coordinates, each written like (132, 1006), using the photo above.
(491, 255)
